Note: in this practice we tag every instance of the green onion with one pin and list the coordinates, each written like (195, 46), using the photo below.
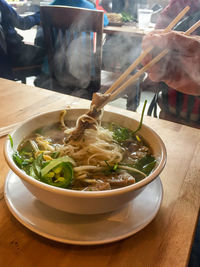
(141, 119)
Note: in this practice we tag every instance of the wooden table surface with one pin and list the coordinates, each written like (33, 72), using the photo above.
(166, 241)
(132, 31)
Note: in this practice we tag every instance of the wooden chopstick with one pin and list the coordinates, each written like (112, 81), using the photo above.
(144, 53)
(177, 19)
(7, 129)
(146, 67)
(136, 76)
(192, 28)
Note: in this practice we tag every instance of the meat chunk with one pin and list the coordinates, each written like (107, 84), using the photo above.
(84, 122)
(88, 120)
(99, 99)
(117, 179)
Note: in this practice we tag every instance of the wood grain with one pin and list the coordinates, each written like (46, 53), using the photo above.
(165, 242)
(126, 30)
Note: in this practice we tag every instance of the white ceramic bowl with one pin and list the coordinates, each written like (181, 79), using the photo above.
(83, 202)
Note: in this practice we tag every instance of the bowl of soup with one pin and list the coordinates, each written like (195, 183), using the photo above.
(100, 170)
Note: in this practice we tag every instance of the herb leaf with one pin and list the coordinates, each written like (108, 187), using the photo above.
(121, 134)
(11, 140)
(146, 164)
(126, 17)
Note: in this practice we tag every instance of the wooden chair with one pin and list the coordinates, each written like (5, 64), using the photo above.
(62, 27)
(77, 34)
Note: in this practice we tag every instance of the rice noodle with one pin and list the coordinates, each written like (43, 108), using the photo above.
(93, 149)
(44, 143)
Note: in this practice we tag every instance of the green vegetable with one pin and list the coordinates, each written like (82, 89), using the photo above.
(11, 140)
(141, 119)
(18, 159)
(126, 17)
(57, 172)
(61, 175)
(115, 167)
(149, 167)
(55, 162)
(30, 165)
(32, 173)
(112, 168)
(37, 165)
(146, 164)
(121, 134)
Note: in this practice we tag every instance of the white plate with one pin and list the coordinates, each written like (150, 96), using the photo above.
(82, 229)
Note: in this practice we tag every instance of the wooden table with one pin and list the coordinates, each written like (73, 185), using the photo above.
(131, 31)
(165, 242)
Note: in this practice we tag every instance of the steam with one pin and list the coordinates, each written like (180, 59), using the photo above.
(72, 62)
(120, 50)
(73, 65)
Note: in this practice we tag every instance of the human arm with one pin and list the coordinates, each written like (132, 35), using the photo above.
(11, 17)
(180, 68)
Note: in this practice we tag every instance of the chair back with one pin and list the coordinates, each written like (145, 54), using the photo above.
(73, 55)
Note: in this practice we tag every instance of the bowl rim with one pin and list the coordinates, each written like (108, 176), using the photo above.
(84, 194)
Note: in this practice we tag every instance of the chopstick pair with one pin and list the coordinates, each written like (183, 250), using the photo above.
(114, 90)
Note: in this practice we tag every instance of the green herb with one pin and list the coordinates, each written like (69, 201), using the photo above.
(112, 168)
(17, 159)
(32, 173)
(126, 17)
(149, 167)
(57, 172)
(146, 164)
(141, 119)
(115, 167)
(11, 140)
(121, 134)
(37, 165)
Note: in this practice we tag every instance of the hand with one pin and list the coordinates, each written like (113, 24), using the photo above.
(180, 68)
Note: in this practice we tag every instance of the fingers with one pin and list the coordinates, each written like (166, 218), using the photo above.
(182, 61)
(147, 59)
(159, 71)
(155, 39)
(172, 40)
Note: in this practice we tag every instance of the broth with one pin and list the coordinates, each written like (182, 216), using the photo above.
(104, 159)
